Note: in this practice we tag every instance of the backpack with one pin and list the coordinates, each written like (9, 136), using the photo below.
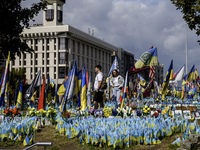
(103, 84)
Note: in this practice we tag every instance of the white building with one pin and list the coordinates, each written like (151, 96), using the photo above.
(56, 46)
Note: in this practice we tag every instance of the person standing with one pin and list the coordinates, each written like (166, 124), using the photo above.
(98, 96)
(117, 82)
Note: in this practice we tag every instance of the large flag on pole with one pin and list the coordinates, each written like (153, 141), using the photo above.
(169, 76)
(89, 95)
(148, 58)
(152, 72)
(35, 82)
(83, 91)
(190, 76)
(125, 90)
(42, 94)
(70, 87)
(178, 75)
(115, 65)
(79, 87)
(48, 90)
(19, 98)
(4, 81)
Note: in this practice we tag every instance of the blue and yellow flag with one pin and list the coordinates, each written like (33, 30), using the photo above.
(26, 140)
(19, 98)
(79, 86)
(125, 90)
(190, 76)
(52, 83)
(169, 76)
(83, 91)
(70, 85)
(115, 65)
(34, 96)
(148, 58)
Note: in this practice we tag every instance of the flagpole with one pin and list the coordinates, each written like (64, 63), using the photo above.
(186, 50)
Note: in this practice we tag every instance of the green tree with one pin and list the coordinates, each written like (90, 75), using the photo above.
(15, 77)
(191, 13)
(14, 19)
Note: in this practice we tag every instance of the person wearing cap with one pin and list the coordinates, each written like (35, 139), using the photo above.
(116, 83)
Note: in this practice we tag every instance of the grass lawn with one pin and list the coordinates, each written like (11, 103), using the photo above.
(61, 142)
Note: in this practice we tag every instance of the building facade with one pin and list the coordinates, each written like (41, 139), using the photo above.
(57, 46)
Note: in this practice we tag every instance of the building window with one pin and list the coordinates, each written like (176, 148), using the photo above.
(61, 58)
(54, 55)
(36, 41)
(47, 62)
(102, 55)
(35, 62)
(95, 55)
(49, 14)
(24, 56)
(91, 65)
(73, 45)
(54, 61)
(91, 51)
(31, 55)
(54, 76)
(54, 69)
(42, 55)
(62, 42)
(31, 41)
(47, 69)
(24, 63)
(78, 48)
(47, 55)
(83, 49)
(60, 15)
(47, 41)
(31, 76)
(61, 72)
(87, 63)
(47, 47)
(42, 41)
(87, 50)
(54, 40)
(78, 61)
(99, 55)
(31, 69)
(43, 47)
(36, 55)
(42, 62)
(36, 48)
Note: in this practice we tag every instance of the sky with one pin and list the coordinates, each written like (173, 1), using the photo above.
(135, 26)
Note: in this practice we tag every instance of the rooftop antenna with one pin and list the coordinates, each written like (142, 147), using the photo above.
(88, 30)
(93, 32)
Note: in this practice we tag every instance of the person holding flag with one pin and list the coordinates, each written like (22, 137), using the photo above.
(98, 97)
(117, 82)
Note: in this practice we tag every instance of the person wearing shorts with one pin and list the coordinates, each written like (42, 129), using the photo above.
(98, 96)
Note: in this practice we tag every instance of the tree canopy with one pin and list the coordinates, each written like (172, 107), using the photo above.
(14, 18)
(191, 13)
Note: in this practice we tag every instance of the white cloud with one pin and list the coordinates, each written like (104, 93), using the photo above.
(136, 25)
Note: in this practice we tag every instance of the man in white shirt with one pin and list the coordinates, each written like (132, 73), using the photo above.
(98, 97)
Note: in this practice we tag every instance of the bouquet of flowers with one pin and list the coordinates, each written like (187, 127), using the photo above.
(12, 112)
(146, 110)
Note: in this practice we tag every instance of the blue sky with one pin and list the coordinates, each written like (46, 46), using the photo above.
(136, 25)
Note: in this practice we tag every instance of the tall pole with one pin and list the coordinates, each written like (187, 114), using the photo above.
(186, 51)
